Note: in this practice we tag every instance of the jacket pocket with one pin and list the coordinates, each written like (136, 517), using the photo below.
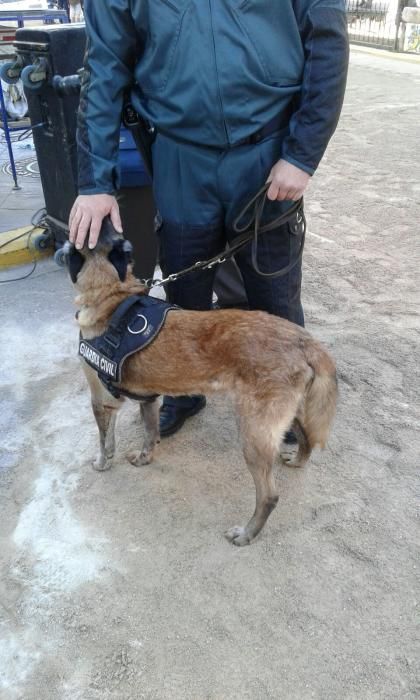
(165, 19)
(273, 37)
(170, 4)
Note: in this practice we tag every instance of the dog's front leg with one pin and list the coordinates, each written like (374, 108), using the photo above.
(105, 416)
(150, 414)
(105, 408)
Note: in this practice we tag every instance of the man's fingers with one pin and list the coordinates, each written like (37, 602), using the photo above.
(272, 192)
(86, 216)
(95, 229)
(282, 194)
(83, 229)
(288, 182)
(288, 195)
(296, 195)
(74, 225)
(279, 191)
(116, 219)
(72, 213)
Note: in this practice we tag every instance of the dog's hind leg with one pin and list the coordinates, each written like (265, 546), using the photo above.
(304, 448)
(150, 413)
(259, 456)
(261, 436)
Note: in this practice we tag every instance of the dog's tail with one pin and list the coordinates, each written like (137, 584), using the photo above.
(321, 396)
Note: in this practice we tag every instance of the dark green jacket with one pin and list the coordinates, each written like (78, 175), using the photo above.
(211, 72)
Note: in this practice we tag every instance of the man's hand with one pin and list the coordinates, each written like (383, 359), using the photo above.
(287, 182)
(87, 214)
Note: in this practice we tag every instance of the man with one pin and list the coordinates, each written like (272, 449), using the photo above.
(75, 11)
(240, 92)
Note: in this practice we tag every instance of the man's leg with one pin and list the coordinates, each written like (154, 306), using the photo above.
(229, 287)
(180, 247)
(243, 172)
(279, 295)
(191, 230)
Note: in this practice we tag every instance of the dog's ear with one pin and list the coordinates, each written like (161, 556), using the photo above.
(120, 257)
(73, 259)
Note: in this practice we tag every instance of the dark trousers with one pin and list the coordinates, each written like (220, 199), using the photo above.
(199, 191)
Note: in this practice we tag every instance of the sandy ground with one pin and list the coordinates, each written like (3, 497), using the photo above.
(120, 585)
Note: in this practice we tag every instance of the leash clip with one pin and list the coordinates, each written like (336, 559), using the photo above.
(219, 261)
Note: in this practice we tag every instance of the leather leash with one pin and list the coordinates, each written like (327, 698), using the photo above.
(250, 231)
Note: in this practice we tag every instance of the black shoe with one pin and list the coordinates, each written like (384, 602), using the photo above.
(290, 438)
(175, 411)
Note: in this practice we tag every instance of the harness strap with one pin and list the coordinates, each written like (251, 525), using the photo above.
(116, 327)
(107, 353)
(112, 336)
(122, 309)
(117, 392)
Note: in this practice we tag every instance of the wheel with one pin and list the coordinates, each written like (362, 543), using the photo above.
(59, 257)
(10, 72)
(27, 77)
(42, 242)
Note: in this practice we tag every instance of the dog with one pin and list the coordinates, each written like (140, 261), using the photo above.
(278, 375)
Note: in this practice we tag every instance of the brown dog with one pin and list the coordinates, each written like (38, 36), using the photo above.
(277, 374)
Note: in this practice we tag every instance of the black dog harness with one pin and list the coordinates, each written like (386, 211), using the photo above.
(135, 323)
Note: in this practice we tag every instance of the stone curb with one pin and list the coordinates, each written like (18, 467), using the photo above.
(383, 53)
(16, 247)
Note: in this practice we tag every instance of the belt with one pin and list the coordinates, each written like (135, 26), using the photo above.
(278, 122)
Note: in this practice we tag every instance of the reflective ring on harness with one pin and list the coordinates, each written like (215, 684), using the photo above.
(141, 329)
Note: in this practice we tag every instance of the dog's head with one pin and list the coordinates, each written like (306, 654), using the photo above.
(111, 257)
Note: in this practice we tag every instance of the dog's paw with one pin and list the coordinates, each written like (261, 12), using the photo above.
(238, 536)
(288, 455)
(101, 464)
(139, 457)
(291, 461)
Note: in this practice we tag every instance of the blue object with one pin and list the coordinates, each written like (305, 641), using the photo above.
(130, 162)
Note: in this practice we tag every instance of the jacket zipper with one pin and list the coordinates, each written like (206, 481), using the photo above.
(219, 92)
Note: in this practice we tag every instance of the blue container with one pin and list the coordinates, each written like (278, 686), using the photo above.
(133, 172)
